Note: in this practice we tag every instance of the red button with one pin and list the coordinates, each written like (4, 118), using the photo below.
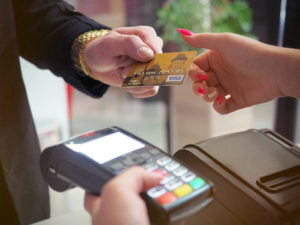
(163, 173)
(88, 134)
(167, 198)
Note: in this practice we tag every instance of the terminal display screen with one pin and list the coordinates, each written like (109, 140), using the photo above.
(106, 148)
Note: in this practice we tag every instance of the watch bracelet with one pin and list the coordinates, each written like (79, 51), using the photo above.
(77, 51)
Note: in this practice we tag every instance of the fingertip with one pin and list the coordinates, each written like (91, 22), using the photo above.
(156, 89)
(152, 92)
(220, 99)
(145, 53)
(143, 92)
(212, 93)
(141, 179)
(185, 32)
(220, 105)
(194, 71)
(201, 77)
(204, 40)
(157, 177)
(152, 180)
(200, 89)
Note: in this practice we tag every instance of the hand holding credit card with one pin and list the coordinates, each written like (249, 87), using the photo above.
(164, 69)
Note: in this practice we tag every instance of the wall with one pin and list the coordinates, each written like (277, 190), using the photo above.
(48, 103)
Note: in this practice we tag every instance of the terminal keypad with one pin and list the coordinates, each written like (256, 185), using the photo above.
(178, 181)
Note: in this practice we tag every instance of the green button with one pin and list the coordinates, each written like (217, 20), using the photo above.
(197, 183)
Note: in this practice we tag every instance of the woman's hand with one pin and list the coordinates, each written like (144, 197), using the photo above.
(244, 70)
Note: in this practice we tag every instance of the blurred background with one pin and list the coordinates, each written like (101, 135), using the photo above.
(175, 117)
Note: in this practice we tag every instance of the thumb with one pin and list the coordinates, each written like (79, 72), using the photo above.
(135, 48)
(141, 180)
(212, 41)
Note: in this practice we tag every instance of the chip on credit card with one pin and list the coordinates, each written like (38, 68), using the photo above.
(164, 69)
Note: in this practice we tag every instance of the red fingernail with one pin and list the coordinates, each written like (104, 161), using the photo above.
(185, 32)
(201, 91)
(220, 99)
(202, 77)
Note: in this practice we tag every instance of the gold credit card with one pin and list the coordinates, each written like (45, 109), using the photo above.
(164, 69)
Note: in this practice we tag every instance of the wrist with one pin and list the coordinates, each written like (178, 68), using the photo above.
(287, 67)
(78, 47)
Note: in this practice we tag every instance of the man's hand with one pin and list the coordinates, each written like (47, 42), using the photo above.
(120, 202)
(111, 56)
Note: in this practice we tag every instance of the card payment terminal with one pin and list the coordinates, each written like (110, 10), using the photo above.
(90, 160)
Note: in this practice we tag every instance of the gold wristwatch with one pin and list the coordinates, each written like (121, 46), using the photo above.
(78, 46)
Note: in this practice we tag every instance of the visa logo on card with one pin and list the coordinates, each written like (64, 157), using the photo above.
(175, 78)
(164, 69)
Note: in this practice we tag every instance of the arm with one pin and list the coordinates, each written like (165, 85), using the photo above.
(45, 33)
(287, 67)
(247, 71)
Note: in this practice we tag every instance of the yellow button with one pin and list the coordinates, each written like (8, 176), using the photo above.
(183, 190)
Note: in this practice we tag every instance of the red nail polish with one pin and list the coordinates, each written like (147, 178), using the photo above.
(185, 32)
(201, 91)
(220, 99)
(202, 77)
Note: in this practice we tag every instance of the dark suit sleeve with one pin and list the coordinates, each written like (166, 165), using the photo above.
(46, 30)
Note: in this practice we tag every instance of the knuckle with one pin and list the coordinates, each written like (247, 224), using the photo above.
(160, 41)
(131, 40)
(148, 29)
(151, 30)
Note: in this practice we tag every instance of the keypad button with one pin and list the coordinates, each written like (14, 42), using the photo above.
(156, 191)
(128, 162)
(138, 159)
(197, 183)
(187, 177)
(167, 198)
(146, 155)
(172, 166)
(173, 184)
(167, 179)
(117, 166)
(154, 151)
(183, 190)
(180, 171)
(161, 172)
(163, 160)
(150, 166)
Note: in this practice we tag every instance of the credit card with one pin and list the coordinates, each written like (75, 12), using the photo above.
(164, 69)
